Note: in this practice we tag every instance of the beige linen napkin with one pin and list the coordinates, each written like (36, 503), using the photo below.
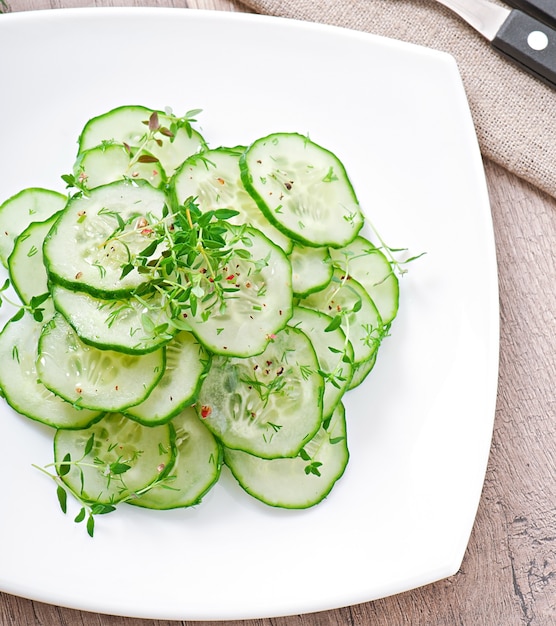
(514, 114)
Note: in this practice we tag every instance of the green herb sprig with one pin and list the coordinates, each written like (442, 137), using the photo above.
(34, 307)
(114, 471)
(187, 258)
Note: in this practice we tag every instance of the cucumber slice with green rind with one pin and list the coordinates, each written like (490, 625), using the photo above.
(26, 262)
(98, 233)
(303, 189)
(334, 354)
(186, 364)
(20, 384)
(362, 370)
(33, 204)
(311, 269)
(132, 325)
(303, 481)
(269, 405)
(258, 300)
(370, 267)
(129, 125)
(345, 299)
(196, 468)
(91, 378)
(108, 163)
(213, 179)
(113, 459)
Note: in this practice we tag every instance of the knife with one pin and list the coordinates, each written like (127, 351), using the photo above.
(543, 10)
(526, 41)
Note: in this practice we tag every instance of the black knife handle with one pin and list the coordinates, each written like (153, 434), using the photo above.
(530, 44)
(543, 10)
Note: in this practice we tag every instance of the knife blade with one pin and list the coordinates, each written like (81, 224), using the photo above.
(526, 41)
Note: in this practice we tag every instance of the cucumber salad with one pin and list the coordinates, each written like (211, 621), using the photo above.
(181, 308)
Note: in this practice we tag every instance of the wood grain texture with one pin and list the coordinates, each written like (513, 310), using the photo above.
(508, 576)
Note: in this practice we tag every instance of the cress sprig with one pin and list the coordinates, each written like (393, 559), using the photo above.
(156, 131)
(113, 471)
(187, 259)
(34, 307)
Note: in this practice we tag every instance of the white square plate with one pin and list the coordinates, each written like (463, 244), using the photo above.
(420, 426)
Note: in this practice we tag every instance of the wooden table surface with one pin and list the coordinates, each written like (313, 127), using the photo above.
(508, 575)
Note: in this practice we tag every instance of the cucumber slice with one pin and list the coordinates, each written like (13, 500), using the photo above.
(370, 267)
(130, 125)
(20, 384)
(361, 371)
(186, 364)
(133, 325)
(269, 405)
(345, 298)
(16, 213)
(196, 468)
(213, 178)
(26, 262)
(258, 300)
(303, 481)
(113, 459)
(334, 354)
(108, 163)
(97, 234)
(311, 269)
(91, 378)
(303, 189)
